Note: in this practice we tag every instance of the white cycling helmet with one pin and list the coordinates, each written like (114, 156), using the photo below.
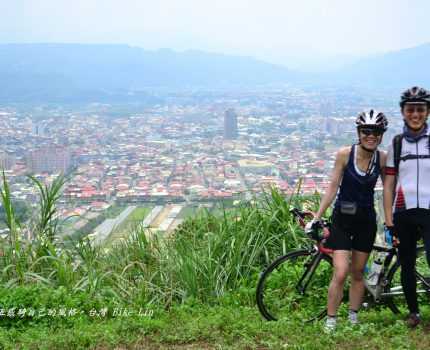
(372, 119)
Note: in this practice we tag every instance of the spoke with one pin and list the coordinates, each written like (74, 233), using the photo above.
(296, 283)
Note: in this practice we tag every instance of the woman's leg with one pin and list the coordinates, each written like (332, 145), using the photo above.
(356, 291)
(340, 273)
(364, 234)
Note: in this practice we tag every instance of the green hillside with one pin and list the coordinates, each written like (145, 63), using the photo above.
(194, 290)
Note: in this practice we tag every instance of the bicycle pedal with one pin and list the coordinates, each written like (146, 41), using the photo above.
(384, 283)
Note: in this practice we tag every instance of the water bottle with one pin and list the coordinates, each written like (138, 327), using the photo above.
(375, 270)
(388, 237)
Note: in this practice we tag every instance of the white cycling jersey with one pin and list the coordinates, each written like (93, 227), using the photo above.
(413, 180)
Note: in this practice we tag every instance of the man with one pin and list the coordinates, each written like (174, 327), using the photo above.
(408, 172)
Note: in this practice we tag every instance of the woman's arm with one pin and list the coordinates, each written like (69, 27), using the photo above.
(336, 177)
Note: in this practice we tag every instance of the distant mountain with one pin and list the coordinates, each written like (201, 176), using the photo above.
(112, 73)
(74, 72)
(395, 69)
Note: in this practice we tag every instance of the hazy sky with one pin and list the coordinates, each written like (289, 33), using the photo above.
(285, 31)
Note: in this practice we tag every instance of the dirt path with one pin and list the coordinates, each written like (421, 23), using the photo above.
(161, 216)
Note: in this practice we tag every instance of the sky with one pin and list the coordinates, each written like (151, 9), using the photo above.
(299, 34)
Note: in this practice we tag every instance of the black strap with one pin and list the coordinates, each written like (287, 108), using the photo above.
(372, 163)
(397, 149)
(414, 156)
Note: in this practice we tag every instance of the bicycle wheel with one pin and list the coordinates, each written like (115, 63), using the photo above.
(395, 298)
(294, 282)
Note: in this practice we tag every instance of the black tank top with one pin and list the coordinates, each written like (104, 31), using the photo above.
(357, 187)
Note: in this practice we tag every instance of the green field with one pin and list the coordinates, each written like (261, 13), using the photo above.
(113, 211)
(194, 209)
(187, 211)
(129, 224)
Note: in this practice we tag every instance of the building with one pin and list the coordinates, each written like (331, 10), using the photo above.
(230, 124)
(7, 161)
(50, 159)
(259, 167)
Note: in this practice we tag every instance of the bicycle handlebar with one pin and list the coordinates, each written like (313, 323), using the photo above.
(301, 215)
(325, 232)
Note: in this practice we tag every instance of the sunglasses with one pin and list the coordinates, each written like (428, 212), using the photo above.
(374, 132)
(412, 109)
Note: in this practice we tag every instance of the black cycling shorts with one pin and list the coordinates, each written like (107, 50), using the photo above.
(356, 231)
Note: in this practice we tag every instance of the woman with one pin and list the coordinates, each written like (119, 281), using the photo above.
(353, 223)
(407, 172)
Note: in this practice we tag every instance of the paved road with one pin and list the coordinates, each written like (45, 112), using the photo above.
(106, 227)
(148, 221)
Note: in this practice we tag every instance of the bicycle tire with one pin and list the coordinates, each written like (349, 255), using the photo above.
(277, 294)
(397, 303)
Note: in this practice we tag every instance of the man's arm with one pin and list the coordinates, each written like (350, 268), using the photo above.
(389, 183)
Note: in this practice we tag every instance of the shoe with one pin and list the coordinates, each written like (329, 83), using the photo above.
(413, 320)
(330, 324)
(353, 317)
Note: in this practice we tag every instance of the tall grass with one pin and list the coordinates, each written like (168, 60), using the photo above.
(14, 251)
(47, 222)
(206, 257)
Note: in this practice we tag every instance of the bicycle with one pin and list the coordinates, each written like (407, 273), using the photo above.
(299, 279)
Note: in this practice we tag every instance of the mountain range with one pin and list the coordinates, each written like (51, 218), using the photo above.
(87, 72)
(402, 68)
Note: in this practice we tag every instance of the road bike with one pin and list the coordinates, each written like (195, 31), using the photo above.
(298, 281)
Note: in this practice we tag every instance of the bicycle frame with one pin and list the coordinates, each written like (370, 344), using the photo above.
(315, 252)
(309, 272)
(376, 291)
(398, 290)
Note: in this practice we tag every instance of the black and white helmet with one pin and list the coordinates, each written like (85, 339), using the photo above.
(372, 119)
(415, 95)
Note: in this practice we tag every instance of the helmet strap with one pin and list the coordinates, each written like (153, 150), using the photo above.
(366, 149)
(372, 160)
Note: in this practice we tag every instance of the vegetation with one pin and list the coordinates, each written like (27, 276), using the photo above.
(230, 324)
(199, 284)
(113, 211)
(21, 209)
(92, 222)
(129, 225)
(88, 228)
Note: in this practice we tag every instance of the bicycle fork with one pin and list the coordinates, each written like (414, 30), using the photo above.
(301, 286)
(309, 272)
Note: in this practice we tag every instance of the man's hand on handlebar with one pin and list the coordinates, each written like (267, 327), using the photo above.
(391, 230)
(391, 235)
